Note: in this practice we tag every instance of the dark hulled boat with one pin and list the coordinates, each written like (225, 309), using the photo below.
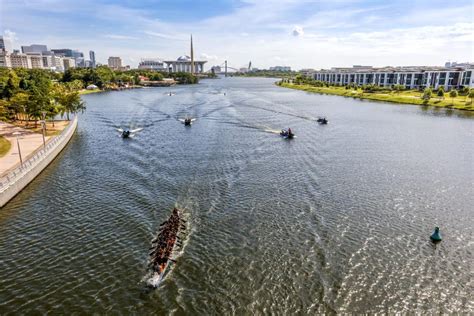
(164, 245)
(287, 134)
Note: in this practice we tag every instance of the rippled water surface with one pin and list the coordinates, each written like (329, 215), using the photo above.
(336, 220)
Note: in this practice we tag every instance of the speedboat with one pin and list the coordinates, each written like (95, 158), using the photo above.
(322, 120)
(187, 121)
(126, 134)
(287, 134)
(164, 246)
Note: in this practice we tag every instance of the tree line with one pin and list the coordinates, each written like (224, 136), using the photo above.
(106, 78)
(28, 94)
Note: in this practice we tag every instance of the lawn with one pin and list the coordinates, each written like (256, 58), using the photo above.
(5, 146)
(405, 97)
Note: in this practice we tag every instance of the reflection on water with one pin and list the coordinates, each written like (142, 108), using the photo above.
(337, 220)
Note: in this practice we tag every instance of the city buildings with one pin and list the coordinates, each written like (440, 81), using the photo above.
(34, 57)
(413, 77)
(280, 68)
(115, 62)
(77, 55)
(35, 48)
(152, 64)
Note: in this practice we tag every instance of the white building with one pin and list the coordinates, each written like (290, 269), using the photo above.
(18, 60)
(152, 64)
(411, 77)
(115, 62)
(68, 62)
(36, 61)
(183, 64)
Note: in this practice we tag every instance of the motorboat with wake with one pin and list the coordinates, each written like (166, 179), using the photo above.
(322, 120)
(126, 133)
(164, 246)
(187, 121)
(287, 133)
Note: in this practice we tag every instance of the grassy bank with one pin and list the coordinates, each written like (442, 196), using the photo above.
(403, 97)
(5, 146)
(82, 92)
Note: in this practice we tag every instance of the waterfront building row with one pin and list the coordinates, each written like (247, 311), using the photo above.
(410, 77)
(36, 61)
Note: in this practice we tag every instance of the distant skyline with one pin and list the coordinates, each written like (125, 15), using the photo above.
(300, 34)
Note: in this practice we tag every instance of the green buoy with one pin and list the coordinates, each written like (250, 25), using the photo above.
(436, 236)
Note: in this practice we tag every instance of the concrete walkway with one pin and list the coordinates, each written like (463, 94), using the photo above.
(29, 142)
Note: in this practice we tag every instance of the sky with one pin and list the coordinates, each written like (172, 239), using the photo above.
(297, 33)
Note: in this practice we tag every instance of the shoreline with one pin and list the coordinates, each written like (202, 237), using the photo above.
(405, 97)
(15, 179)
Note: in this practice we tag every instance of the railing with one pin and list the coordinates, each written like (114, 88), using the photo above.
(35, 158)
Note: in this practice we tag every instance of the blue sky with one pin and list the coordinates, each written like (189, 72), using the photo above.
(298, 33)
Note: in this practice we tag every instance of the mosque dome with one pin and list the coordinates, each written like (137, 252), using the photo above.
(184, 58)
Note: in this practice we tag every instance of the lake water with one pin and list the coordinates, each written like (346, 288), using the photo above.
(335, 220)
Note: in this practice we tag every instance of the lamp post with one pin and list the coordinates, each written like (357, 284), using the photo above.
(43, 122)
(17, 134)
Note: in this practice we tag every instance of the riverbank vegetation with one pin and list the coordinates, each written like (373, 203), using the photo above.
(28, 94)
(5, 146)
(106, 78)
(457, 99)
(31, 94)
(265, 74)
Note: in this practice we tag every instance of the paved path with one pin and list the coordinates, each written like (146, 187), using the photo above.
(29, 142)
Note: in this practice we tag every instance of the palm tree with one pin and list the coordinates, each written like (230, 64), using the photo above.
(452, 94)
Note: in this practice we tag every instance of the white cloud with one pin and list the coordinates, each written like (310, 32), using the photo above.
(120, 37)
(298, 31)
(209, 57)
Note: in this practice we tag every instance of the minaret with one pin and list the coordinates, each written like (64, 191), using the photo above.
(192, 56)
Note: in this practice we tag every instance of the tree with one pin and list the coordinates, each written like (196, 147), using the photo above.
(18, 104)
(298, 79)
(3, 110)
(471, 94)
(75, 85)
(427, 95)
(398, 88)
(452, 94)
(12, 85)
(39, 90)
(70, 101)
(440, 92)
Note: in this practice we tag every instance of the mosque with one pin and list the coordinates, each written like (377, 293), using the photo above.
(186, 63)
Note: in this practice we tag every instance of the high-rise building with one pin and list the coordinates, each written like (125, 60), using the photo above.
(35, 48)
(5, 44)
(92, 58)
(66, 52)
(115, 62)
(63, 52)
